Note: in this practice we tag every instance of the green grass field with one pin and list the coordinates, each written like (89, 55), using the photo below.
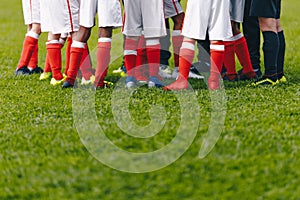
(42, 157)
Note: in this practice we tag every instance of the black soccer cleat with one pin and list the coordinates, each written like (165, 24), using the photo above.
(67, 84)
(22, 71)
(37, 70)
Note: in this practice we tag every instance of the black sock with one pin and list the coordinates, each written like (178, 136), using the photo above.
(281, 54)
(270, 49)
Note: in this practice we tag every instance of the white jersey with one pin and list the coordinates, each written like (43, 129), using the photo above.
(172, 8)
(60, 16)
(144, 15)
(237, 10)
(207, 15)
(31, 11)
(109, 13)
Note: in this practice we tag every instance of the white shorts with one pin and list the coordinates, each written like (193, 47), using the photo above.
(31, 11)
(144, 15)
(207, 15)
(109, 13)
(60, 16)
(237, 10)
(172, 8)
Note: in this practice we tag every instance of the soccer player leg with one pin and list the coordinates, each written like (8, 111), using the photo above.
(281, 53)
(142, 70)
(217, 50)
(270, 47)
(29, 46)
(33, 62)
(252, 34)
(103, 56)
(186, 56)
(54, 55)
(153, 57)
(76, 53)
(130, 54)
(177, 38)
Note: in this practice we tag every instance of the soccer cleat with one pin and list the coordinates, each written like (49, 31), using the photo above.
(257, 72)
(103, 85)
(165, 71)
(154, 82)
(282, 79)
(214, 83)
(230, 77)
(179, 84)
(121, 70)
(130, 82)
(67, 84)
(22, 71)
(37, 70)
(196, 76)
(247, 76)
(45, 76)
(264, 81)
(55, 82)
(88, 82)
(175, 74)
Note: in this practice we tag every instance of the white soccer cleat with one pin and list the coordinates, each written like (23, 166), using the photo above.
(88, 82)
(165, 71)
(196, 76)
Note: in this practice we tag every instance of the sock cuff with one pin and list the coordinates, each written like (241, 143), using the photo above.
(106, 45)
(130, 52)
(152, 42)
(78, 44)
(188, 45)
(33, 35)
(53, 46)
(176, 33)
(217, 46)
(269, 33)
(52, 42)
(104, 39)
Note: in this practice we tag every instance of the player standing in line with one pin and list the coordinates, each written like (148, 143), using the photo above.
(268, 13)
(29, 57)
(215, 19)
(147, 16)
(110, 16)
(237, 45)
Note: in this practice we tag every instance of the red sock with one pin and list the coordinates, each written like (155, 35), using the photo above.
(177, 42)
(68, 52)
(229, 59)
(75, 58)
(241, 50)
(130, 53)
(216, 57)
(186, 57)
(86, 64)
(103, 59)
(54, 54)
(141, 70)
(33, 62)
(47, 67)
(29, 46)
(153, 57)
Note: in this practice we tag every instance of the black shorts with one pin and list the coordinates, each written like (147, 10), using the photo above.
(266, 8)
